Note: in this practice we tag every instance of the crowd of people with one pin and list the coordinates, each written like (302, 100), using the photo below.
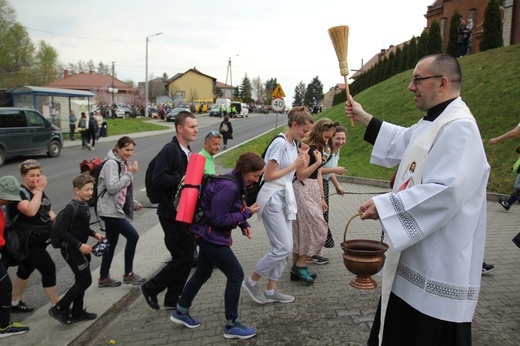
(434, 219)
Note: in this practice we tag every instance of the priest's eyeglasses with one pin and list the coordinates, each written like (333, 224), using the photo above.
(416, 80)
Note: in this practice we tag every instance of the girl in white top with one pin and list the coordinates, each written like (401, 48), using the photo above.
(278, 206)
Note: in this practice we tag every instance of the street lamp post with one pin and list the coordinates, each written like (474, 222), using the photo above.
(112, 89)
(146, 77)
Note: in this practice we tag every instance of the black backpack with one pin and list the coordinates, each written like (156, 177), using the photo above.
(253, 189)
(92, 124)
(199, 215)
(55, 233)
(152, 192)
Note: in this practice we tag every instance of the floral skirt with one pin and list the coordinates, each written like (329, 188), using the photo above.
(309, 228)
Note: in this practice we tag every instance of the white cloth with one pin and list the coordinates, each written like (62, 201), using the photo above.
(269, 188)
(439, 223)
(284, 154)
(332, 163)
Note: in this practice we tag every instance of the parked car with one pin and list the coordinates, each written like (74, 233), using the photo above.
(123, 111)
(173, 113)
(215, 111)
(25, 131)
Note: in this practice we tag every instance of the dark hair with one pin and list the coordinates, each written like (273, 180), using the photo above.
(300, 115)
(82, 180)
(123, 142)
(446, 65)
(249, 162)
(180, 119)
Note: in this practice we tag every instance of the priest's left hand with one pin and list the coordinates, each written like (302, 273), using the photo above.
(369, 210)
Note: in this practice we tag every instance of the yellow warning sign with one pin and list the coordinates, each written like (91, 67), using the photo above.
(278, 91)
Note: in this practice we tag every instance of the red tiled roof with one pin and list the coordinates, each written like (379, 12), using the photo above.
(89, 81)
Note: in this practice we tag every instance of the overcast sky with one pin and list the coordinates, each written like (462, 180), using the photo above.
(284, 39)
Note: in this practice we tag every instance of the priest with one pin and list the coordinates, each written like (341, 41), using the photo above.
(435, 227)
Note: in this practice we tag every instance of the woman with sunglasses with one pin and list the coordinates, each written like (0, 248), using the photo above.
(310, 228)
(33, 220)
(115, 205)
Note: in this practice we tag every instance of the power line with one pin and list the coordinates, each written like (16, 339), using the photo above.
(73, 36)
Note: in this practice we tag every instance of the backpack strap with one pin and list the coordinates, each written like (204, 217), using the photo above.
(271, 142)
(102, 193)
(27, 195)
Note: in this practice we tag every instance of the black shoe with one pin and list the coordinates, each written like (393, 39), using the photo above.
(21, 307)
(302, 274)
(486, 268)
(516, 240)
(150, 299)
(504, 203)
(63, 316)
(84, 315)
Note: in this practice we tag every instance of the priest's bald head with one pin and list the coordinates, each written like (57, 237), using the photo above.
(436, 78)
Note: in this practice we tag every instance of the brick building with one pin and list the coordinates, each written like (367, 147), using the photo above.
(442, 11)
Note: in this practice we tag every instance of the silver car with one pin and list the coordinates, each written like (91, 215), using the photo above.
(173, 113)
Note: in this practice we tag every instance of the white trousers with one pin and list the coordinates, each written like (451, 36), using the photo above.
(279, 232)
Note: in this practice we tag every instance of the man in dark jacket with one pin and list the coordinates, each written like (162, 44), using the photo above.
(170, 167)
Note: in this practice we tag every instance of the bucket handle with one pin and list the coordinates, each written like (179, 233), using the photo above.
(348, 223)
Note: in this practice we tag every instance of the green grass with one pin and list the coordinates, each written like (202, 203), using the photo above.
(120, 127)
(491, 88)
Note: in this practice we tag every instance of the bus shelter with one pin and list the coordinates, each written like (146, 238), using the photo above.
(53, 103)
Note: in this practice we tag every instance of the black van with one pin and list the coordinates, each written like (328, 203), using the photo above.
(25, 131)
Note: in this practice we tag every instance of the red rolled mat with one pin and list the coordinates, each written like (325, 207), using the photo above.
(190, 192)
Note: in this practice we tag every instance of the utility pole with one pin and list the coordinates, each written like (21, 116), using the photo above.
(228, 72)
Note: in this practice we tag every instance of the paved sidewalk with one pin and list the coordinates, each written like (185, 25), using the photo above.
(330, 312)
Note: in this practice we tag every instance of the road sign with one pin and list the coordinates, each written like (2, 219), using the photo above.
(278, 91)
(277, 104)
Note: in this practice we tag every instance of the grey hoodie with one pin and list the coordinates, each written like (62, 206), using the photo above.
(113, 182)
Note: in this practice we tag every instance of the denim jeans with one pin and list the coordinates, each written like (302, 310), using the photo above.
(211, 255)
(114, 227)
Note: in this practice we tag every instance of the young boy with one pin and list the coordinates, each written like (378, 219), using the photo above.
(9, 191)
(74, 229)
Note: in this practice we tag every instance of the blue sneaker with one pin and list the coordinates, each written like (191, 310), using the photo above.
(185, 319)
(238, 331)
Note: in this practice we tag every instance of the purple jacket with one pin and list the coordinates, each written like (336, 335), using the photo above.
(224, 211)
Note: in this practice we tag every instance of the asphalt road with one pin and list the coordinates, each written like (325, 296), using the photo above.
(60, 171)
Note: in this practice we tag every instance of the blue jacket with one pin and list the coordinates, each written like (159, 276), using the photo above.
(224, 210)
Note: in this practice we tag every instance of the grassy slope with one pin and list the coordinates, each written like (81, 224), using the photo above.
(491, 88)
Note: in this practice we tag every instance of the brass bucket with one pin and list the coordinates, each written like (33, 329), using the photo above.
(363, 258)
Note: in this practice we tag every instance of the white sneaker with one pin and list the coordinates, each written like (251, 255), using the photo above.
(254, 292)
(278, 297)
